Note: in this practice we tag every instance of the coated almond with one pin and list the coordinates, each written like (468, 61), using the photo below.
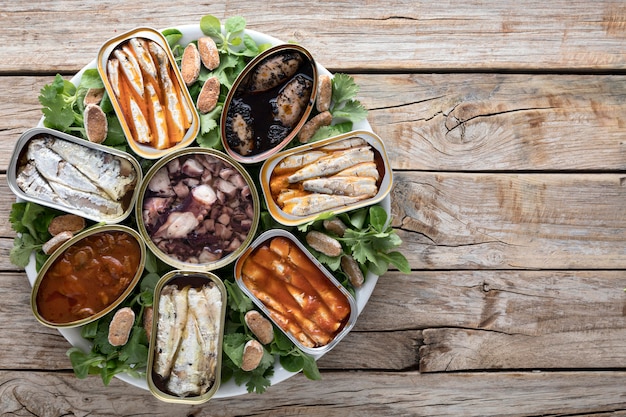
(209, 53)
(210, 93)
(335, 226)
(120, 326)
(312, 126)
(351, 268)
(96, 125)
(93, 96)
(260, 326)
(56, 241)
(190, 64)
(148, 314)
(324, 93)
(252, 355)
(324, 243)
(66, 223)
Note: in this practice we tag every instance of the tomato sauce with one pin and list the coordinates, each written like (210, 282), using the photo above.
(297, 295)
(88, 277)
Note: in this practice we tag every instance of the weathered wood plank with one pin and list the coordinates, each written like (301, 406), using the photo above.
(529, 303)
(338, 394)
(464, 349)
(469, 221)
(496, 122)
(504, 221)
(536, 311)
(416, 35)
(451, 122)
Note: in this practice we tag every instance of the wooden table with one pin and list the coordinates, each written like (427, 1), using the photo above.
(505, 122)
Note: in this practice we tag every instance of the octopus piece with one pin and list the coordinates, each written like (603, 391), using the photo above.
(200, 210)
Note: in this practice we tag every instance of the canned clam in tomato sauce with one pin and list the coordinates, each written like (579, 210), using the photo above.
(88, 276)
(296, 292)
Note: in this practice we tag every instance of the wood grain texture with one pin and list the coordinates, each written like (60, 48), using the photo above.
(401, 35)
(468, 221)
(439, 321)
(451, 122)
(511, 394)
(505, 126)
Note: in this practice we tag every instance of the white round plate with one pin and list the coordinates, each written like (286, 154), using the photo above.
(228, 389)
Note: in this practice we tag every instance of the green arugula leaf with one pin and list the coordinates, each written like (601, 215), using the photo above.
(91, 79)
(352, 110)
(398, 260)
(237, 300)
(235, 24)
(172, 36)
(210, 26)
(23, 246)
(57, 114)
(378, 218)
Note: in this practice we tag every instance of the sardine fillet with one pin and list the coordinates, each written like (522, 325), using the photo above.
(349, 186)
(187, 377)
(316, 203)
(171, 323)
(106, 171)
(332, 164)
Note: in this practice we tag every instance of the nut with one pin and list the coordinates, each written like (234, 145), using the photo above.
(209, 53)
(120, 326)
(260, 326)
(252, 355)
(313, 125)
(324, 243)
(190, 64)
(351, 268)
(66, 223)
(56, 241)
(324, 93)
(210, 93)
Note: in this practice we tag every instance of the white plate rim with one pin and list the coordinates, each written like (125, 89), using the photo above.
(230, 388)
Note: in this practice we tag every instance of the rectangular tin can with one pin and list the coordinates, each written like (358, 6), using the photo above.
(18, 161)
(265, 239)
(187, 105)
(271, 191)
(193, 279)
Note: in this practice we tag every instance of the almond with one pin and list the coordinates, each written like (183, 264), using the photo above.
(120, 326)
(209, 53)
(210, 93)
(260, 326)
(252, 355)
(190, 64)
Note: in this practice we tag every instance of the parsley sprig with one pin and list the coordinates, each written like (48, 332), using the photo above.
(369, 239)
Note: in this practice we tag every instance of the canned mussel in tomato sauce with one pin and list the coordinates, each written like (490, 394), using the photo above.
(296, 292)
(185, 358)
(88, 276)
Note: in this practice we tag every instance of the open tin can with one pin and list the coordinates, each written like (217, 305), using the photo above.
(88, 276)
(337, 174)
(197, 209)
(299, 295)
(73, 175)
(148, 94)
(269, 103)
(188, 372)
